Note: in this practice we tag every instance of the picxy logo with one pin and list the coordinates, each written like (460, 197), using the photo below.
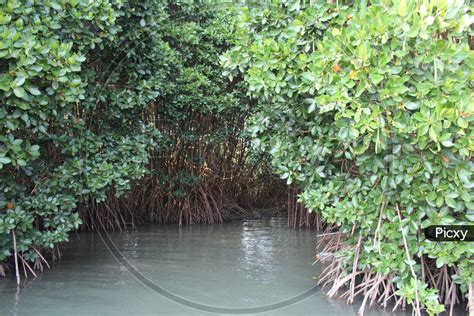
(450, 233)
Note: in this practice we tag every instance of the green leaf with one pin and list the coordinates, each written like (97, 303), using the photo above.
(376, 78)
(447, 143)
(5, 82)
(450, 201)
(55, 6)
(4, 160)
(402, 9)
(440, 262)
(335, 32)
(433, 134)
(21, 162)
(294, 6)
(464, 176)
(34, 91)
(309, 76)
(19, 92)
(428, 167)
(411, 105)
(18, 82)
(462, 123)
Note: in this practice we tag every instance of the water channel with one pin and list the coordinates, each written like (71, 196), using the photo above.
(235, 265)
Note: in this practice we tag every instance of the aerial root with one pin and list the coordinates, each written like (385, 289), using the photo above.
(375, 288)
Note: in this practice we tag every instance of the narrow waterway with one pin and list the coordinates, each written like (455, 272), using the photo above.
(235, 265)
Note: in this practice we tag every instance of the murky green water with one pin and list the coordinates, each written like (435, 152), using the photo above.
(233, 265)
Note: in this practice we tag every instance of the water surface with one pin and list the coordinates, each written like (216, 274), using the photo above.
(233, 265)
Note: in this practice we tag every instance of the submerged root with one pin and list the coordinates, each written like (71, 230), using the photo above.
(376, 289)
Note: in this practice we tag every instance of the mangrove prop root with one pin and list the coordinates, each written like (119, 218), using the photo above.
(15, 254)
(298, 214)
(376, 289)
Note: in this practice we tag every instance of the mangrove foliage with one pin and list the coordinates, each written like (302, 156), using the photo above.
(369, 109)
(119, 112)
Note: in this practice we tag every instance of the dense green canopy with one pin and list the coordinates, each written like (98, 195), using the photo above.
(369, 110)
(94, 95)
(366, 107)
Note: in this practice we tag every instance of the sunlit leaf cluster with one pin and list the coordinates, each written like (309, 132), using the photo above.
(369, 109)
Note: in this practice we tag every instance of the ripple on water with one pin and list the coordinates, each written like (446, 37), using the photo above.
(235, 264)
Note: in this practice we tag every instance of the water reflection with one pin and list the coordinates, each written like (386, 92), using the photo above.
(257, 261)
(237, 264)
